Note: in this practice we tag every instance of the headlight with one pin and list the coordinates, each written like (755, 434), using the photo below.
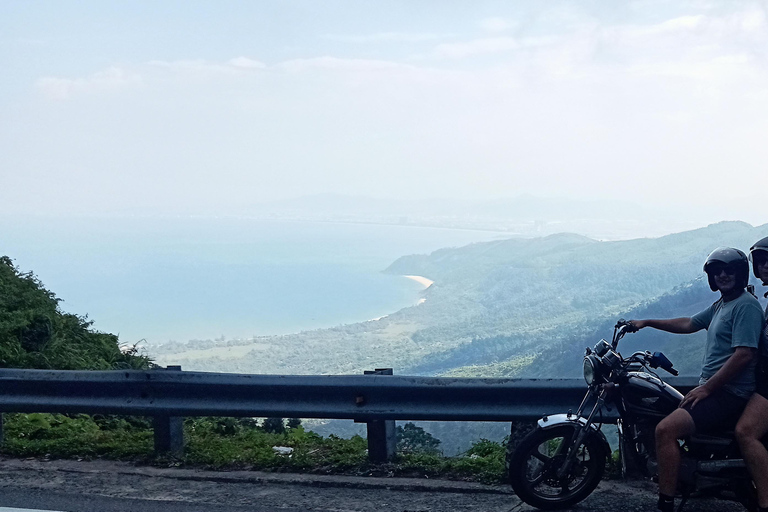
(590, 369)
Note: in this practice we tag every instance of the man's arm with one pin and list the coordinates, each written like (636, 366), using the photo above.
(739, 360)
(674, 325)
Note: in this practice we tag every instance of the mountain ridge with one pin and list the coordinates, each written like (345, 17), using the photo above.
(498, 301)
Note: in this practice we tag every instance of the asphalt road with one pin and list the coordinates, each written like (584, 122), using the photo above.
(37, 499)
(104, 486)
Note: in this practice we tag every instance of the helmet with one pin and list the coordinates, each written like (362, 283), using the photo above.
(732, 257)
(761, 246)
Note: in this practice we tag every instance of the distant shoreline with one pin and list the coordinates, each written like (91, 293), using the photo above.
(423, 281)
(426, 283)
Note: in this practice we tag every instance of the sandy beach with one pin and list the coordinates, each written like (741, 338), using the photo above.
(426, 283)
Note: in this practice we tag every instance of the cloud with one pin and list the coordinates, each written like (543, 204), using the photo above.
(201, 67)
(668, 101)
(340, 64)
(476, 47)
(749, 23)
(709, 71)
(110, 79)
(383, 37)
(246, 63)
(194, 65)
(681, 23)
(497, 24)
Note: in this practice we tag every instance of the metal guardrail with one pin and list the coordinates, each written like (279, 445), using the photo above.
(168, 395)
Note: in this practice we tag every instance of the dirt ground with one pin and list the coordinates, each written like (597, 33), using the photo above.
(262, 490)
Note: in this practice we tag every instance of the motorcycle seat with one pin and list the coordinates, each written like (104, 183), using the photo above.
(719, 439)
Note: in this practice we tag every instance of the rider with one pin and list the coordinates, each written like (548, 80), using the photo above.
(753, 424)
(734, 324)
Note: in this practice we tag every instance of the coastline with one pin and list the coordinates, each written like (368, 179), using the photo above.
(426, 283)
(423, 281)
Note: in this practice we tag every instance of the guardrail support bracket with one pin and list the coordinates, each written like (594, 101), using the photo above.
(169, 435)
(382, 435)
(169, 431)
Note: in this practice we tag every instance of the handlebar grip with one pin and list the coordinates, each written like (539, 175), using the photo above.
(625, 326)
(674, 372)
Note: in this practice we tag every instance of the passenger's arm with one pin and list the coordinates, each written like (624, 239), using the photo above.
(674, 325)
(739, 360)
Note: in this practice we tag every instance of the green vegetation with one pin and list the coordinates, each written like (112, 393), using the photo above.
(510, 368)
(227, 443)
(495, 308)
(521, 308)
(62, 436)
(35, 333)
(413, 439)
(512, 308)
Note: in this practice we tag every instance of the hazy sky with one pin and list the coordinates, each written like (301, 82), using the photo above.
(159, 106)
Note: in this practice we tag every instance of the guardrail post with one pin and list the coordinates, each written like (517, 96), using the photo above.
(169, 430)
(382, 436)
(1, 429)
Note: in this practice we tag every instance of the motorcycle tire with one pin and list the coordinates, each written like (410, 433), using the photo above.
(534, 463)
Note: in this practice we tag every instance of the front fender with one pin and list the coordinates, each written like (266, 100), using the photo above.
(558, 420)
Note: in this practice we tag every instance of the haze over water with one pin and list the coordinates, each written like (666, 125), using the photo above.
(179, 279)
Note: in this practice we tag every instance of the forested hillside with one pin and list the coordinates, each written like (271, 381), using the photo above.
(685, 351)
(35, 333)
(546, 300)
(519, 307)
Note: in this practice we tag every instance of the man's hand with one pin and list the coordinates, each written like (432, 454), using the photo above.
(695, 395)
(635, 325)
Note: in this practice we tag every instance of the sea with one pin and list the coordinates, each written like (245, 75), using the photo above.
(177, 279)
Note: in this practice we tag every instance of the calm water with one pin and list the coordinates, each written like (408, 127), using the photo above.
(179, 279)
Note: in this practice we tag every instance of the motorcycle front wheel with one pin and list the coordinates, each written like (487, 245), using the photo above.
(534, 464)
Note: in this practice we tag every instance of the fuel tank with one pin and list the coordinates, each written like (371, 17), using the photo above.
(647, 395)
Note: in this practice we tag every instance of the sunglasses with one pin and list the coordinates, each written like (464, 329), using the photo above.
(716, 270)
(759, 259)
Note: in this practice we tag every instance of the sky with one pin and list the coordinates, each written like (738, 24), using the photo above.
(160, 107)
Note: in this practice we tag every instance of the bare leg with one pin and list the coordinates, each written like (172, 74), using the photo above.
(752, 426)
(668, 431)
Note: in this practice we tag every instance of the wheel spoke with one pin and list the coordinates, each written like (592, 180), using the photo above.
(536, 481)
(540, 456)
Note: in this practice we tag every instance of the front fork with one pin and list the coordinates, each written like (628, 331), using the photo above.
(582, 429)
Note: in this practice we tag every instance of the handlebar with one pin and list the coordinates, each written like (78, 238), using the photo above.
(621, 328)
(626, 326)
(655, 360)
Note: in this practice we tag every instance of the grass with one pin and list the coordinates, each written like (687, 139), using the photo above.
(509, 368)
(229, 443)
(60, 436)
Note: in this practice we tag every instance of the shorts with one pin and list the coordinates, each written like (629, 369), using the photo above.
(719, 412)
(761, 377)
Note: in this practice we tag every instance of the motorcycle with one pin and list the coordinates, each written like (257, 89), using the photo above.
(563, 459)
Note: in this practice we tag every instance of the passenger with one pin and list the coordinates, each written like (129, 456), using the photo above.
(734, 324)
(753, 424)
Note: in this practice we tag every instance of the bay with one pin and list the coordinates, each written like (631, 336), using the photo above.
(162, 279)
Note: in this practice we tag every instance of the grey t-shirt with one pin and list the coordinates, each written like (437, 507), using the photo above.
(736, 323)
